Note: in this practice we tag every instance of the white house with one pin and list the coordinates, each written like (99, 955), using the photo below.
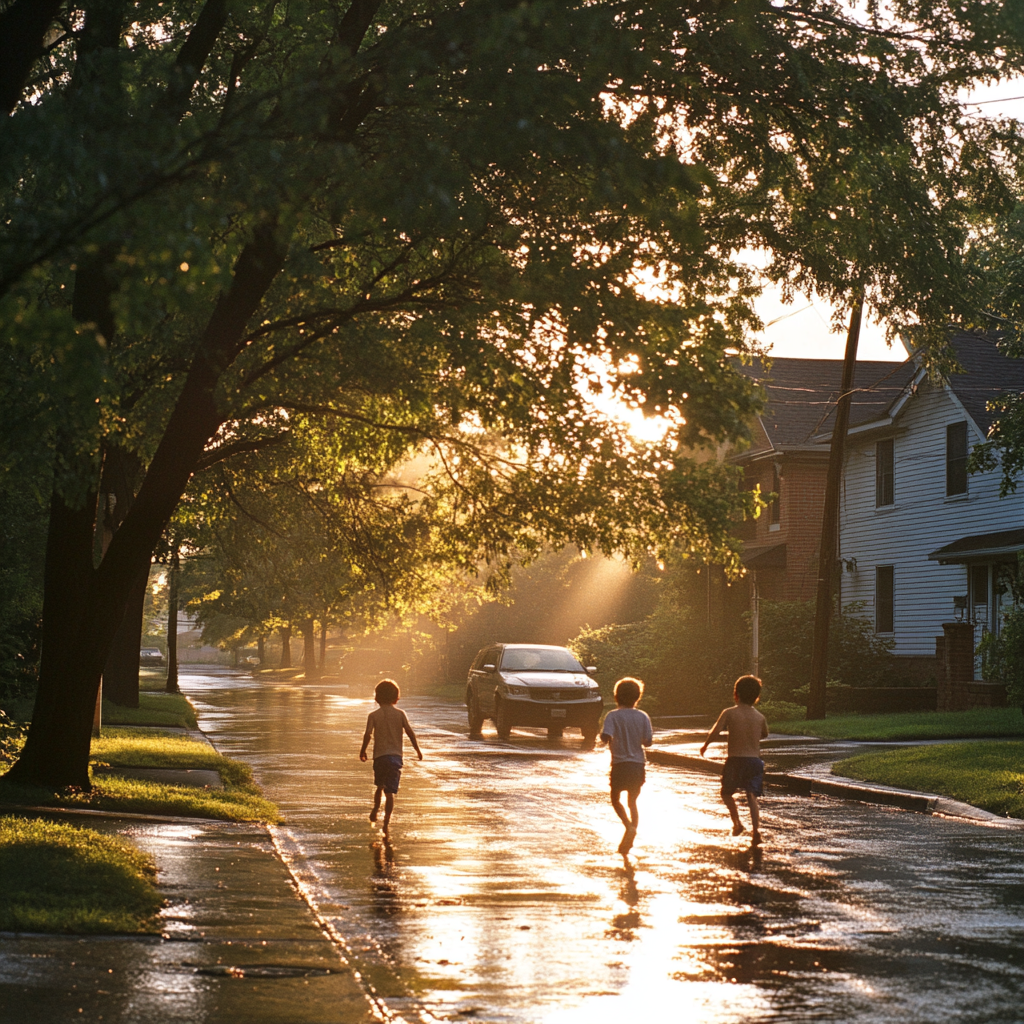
(922, 541)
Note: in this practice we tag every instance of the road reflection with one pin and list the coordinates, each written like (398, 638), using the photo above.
(501, 898)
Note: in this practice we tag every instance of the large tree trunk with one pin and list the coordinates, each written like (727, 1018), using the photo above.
(309, 664)
(57, 751)
(173, 572)
(323, 646)
(80, 620)
(286, 646)
(121, 672)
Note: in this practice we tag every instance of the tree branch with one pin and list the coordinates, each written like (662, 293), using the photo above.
(192, 58)
(23, 26)
(215, 456)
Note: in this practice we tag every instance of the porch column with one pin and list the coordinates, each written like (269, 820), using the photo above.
(958, 667)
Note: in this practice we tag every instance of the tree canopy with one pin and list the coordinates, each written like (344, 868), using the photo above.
(444, 223)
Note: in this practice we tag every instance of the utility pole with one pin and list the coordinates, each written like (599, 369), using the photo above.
(173, 574)
(828, 549)
(755, 625)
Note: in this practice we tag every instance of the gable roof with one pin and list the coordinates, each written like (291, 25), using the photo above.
(801, 396)
(988, 374)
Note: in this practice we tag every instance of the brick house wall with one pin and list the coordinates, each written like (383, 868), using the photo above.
(801, 490)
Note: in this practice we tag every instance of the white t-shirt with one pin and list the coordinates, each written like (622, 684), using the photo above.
(628, 731)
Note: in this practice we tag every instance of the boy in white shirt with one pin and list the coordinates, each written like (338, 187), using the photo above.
(627, 731)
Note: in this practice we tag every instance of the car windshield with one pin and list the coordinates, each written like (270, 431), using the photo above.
(539, 659)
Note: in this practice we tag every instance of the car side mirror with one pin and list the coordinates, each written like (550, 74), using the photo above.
(489, 668)
(591, 669)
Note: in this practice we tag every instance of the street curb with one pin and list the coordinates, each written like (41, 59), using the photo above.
(848, 789)
(155, 819)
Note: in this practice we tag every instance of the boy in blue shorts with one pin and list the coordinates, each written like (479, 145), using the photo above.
(744, 768)
(627, 731)
(386, 725)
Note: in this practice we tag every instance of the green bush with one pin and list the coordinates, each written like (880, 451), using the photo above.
(857, 656)
(1002, 656)
(687, 667)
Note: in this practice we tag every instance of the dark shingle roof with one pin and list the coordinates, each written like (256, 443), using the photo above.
(988, 373)
(800, 395)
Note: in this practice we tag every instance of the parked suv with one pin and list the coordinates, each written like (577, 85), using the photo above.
(531, 684)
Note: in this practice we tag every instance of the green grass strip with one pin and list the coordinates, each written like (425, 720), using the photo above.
(240, 800)
(136, 748)
(167, 709)
(911, 725)
(989, 775)
(140, 796)
(61, 878)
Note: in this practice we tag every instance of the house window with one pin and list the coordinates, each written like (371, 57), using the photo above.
(773, 510)
(956, 458)
(885, 493)
(883, 599)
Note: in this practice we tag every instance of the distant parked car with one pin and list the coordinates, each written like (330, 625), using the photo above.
(532, 684)
(151, 656)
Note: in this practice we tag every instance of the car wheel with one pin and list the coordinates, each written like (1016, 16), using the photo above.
(589, 730)
(476, 716)
(555, 732)
(502, 718)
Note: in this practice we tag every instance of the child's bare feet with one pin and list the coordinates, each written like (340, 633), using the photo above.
(373, 814)
(755, 838)
(627, 840)
(737, 828)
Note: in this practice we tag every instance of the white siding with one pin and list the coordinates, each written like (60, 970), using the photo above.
(921, 520)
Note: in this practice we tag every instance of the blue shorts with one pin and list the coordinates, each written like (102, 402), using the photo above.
(387, 772)
(628, 776)
(746, 773)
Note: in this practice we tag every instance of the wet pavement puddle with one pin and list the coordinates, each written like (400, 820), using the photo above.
(500, 896)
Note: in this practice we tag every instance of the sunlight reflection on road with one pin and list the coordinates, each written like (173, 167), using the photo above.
(500, 897)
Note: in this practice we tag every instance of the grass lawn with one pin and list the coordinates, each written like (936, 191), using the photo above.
(240, 800)
(989, 775)
(155, 708)
(171, 709)
(61, 878)
(912, 725)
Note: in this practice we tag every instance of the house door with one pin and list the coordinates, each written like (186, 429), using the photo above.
(979, 577)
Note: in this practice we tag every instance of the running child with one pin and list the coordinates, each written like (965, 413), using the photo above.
(386, 726)
(627, 730)
(744, 768)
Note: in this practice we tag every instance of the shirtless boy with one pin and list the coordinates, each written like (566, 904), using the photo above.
(744, 768)
(386, 726)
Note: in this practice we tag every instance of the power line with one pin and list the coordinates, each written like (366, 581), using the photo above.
(1005, 99)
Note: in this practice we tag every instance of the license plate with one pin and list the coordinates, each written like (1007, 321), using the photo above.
(558, 712)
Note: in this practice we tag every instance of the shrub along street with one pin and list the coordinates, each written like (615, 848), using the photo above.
(60, 878)
(989, 775)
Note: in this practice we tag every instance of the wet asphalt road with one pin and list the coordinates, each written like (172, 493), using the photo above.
(501, 896)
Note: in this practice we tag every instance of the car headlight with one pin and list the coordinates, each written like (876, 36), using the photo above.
(517, 691)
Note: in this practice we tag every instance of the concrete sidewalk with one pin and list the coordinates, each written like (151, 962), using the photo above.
(239, 944)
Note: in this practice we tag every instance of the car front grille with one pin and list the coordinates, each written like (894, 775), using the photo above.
(576, 693)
